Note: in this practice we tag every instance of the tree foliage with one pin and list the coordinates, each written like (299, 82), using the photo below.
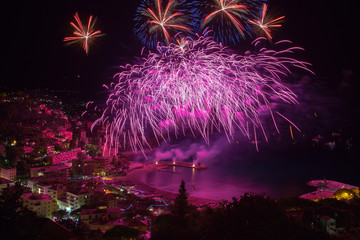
(122, 232)
(250, 217)
(181, 205)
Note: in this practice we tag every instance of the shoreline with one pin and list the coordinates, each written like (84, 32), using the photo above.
(134, 177)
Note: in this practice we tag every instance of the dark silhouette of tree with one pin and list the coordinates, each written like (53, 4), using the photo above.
(82, 144)
(250, 217)
(79, 228)
(72, 144)
(10, 198)
(16, 222)
(59, 214)
(181, 205)
(122, 232)
(13, 154)
(92, 150)
(47, 161)
(253, 217)
(180, 224)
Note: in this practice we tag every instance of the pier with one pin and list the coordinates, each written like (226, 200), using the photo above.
(181, 164)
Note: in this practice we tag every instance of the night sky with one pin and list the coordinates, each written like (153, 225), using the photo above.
(36, 57)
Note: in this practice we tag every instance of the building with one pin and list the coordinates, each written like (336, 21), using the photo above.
(50, 149)
(57, 171)
(2, 150)
(67, 125)
(63, 205)
(92, 215)
(42, 188)
(68, 135)
(82, 134)
(329, 225)
(32, 182)
(51, 230)
(78, 198)
(4, 183)
(42, 204)
(88, 124)
(102, 219)
(53, 191)
(331, 189)
(105, 226)
(27, 149)
(8, 173)
(82, 167)
(37, 172)
(102, 165)
(135, 223)
(48, 133)
(64, 156)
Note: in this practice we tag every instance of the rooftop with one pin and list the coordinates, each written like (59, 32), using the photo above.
(318, 194)
(4, 181)
(8, 168)
(329, 184)
(78, 191)
(37, 197)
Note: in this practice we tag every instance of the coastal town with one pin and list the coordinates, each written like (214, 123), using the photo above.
(49, 154)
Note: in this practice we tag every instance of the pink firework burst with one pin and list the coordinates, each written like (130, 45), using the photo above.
(83, 33)
(197, 87)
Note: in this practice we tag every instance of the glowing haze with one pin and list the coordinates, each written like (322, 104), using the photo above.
(195, 88)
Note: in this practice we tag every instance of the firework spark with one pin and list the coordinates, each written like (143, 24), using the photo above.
(265, 26)
(155, 23)
(83, 33)
(199, 88)
(228, 18)
(231, 10)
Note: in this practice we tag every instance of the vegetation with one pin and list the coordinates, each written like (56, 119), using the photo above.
(16, 222)
(249, 217)
(122, 233)
(59, 214)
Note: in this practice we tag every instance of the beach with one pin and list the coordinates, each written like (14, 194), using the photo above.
(134, 177)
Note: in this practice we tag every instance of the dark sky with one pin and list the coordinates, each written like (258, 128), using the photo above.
(36, 57)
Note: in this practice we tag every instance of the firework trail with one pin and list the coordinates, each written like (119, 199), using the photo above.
(158, 22)
(266, 26)
(230, 10)
(83, 33)
(228, 18)
(197, 87)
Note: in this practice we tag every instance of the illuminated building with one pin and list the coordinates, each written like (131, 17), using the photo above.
(82, 167)
(8, 173)
(102, 165)
(64, 156)
(4, 183)
(78, 198)
(42, 204)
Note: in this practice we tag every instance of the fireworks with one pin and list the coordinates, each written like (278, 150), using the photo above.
(158, 23)
(228, 18)
(197, 87)
(83, 33)
(229, 9)
(265, 26)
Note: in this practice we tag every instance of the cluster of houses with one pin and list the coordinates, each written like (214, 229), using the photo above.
(82, 189)
(72, 181)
